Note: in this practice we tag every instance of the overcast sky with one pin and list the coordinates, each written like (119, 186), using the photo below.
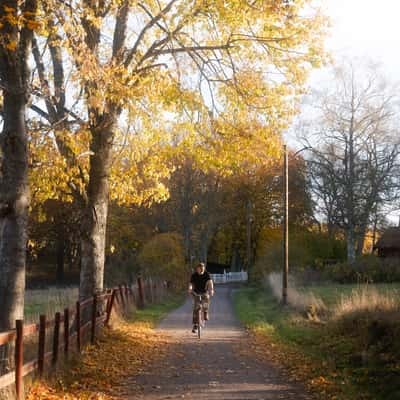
(366, 28)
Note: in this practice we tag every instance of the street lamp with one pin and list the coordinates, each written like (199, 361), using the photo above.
(285, 275)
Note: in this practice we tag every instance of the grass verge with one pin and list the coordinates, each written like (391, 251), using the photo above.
(104, 369)
(156, 312)
(329, 356)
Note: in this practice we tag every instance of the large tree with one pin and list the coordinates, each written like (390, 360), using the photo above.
(17, 22)
(354, 163)
(127, 56)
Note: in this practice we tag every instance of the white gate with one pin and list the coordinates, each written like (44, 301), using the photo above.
(227, 277)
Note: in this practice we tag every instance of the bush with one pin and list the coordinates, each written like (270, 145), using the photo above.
(369, 268)
(163, 257)
(308, 250)
(371, 319)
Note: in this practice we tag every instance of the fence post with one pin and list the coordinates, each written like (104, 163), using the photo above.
(133, 295)
(78, 326)
(132, 289)
(141, 291)
(121, 294)
(155, 292)
(56, 338)
(42, 343)
(126, 295)
(66, 332)
(19, 357)
(94, 314)
(150, 289)
(108, 299)
(110, 306)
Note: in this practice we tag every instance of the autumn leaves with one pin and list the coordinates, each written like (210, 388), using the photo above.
(120, 90)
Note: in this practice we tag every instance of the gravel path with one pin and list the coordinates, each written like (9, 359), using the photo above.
(219, 366)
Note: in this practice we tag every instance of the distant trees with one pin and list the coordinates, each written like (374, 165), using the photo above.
(162, 257)
(354, 156)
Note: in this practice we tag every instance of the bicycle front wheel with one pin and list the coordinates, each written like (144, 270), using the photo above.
(199, 327)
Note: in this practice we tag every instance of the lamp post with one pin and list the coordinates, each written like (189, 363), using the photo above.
(285, 274)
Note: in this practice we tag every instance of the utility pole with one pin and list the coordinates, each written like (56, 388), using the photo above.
(285, 233)
(285, 227)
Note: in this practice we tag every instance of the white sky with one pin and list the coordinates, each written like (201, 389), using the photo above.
(366, 28)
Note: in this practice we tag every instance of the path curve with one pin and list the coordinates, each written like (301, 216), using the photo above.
(219, 366)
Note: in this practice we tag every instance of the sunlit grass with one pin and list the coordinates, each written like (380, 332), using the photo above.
(355, 346)
(368, 299)
(333, 294)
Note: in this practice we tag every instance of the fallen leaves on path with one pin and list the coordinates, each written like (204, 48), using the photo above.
(104, 368)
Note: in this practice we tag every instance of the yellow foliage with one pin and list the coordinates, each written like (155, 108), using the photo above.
(254, 78)
(11, 45)
(163, 256)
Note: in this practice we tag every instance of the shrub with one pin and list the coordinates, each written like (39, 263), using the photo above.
(308, 250)
(163, 257)
(371, 318)
(365, 269)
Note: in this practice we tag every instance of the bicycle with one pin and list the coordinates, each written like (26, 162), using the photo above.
(200, 320)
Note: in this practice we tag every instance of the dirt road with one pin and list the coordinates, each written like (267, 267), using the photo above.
(219, 366)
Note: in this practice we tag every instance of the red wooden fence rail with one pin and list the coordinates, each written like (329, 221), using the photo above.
(124, 295)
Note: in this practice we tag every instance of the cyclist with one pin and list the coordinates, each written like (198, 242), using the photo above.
(201, 284)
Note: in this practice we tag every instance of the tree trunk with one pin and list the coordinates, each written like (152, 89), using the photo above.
(14, 199)
(236, 261)
(361, 242)
(187, 242)
(351, 246)
(95, 216)
(249, 221)
(204, 248)
(60, 258)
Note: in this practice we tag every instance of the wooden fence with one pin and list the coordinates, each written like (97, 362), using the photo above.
(75, 330)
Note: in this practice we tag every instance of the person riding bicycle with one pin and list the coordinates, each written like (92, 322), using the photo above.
(200, 284)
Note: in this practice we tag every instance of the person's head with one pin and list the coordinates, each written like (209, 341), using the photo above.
(200, 268)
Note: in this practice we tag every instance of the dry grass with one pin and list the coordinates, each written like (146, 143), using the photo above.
(362, 299)
(367, 299)
(306, 302)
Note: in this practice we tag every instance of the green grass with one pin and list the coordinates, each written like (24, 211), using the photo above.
(259, 311)
(335, 353)
(154, 313)
(48, 301)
